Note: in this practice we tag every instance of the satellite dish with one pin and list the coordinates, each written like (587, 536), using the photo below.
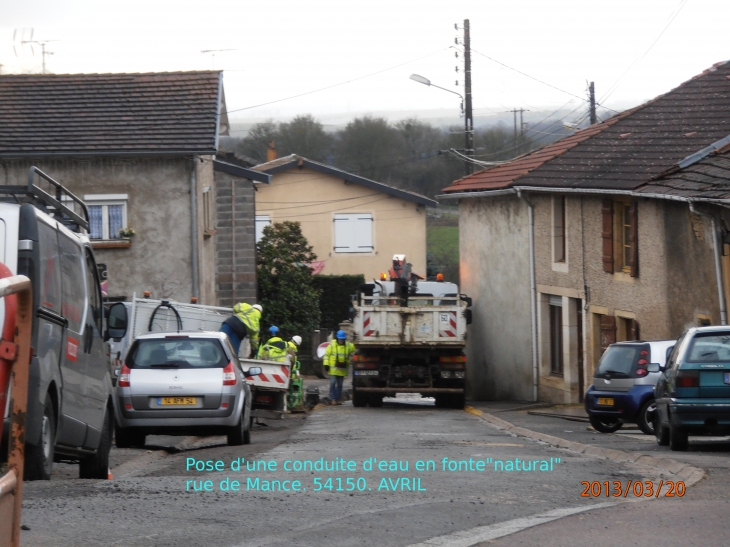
(321, 349)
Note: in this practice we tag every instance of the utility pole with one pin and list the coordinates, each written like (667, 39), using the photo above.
(592, 92)
(518, 143)
(468, 120)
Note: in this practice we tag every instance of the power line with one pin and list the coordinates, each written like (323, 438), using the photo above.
(336, 85)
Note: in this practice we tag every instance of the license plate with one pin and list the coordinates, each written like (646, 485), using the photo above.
(177, 401)
(366, 373)
(605, 401)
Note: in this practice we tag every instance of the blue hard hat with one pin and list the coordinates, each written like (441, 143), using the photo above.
(274, 330)
(341, 335)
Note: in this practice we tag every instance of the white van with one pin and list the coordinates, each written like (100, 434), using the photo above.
(70, 414)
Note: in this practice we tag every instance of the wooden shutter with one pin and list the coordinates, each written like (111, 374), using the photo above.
(634, 330)
(607, 212)
(634, 241)
(608, 331)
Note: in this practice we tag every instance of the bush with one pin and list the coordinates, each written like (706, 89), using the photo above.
(334, 298)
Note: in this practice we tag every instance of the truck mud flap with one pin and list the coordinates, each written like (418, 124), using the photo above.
(422, 390)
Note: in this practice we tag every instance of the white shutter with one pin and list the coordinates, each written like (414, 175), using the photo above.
(353, 233)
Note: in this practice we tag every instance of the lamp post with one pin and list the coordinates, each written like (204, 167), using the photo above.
(468, 130)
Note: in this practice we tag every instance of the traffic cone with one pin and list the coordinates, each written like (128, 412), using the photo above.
(109, 475)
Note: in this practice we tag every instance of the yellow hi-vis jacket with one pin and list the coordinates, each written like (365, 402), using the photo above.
(338, 357)
(251, 318)
(274, 350)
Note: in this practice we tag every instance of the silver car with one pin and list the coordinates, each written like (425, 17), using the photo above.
(182, 384)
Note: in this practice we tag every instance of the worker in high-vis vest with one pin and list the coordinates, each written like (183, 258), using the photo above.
(293, 346)
(337, 358)
(275, 349)
(244, 322)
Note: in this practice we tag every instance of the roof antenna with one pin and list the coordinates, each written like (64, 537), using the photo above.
(212, 53)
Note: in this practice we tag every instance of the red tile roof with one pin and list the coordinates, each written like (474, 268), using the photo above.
(626, 150)
(98, 114)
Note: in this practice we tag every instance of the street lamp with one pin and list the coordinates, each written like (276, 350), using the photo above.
(468, 129)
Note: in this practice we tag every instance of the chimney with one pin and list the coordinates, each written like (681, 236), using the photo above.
(271, 152)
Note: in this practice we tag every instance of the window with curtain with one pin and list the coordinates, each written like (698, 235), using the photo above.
(107, 215)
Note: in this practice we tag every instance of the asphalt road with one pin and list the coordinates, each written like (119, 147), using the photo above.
(147, 502)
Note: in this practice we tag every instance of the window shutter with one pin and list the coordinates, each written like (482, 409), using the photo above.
(634, 241)
(608, 331)
(634, 334)
(607, 235)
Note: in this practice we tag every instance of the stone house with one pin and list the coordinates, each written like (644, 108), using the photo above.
(140, 150)
(588, 241)
(355, 225)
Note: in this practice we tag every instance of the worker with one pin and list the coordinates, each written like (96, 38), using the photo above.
(337, 358)
(293, 346)
(275, 349)
(244, 322)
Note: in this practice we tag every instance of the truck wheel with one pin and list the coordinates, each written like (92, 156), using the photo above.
(127, 437)
(458, 401)
(39, 459)
(97, 466)
(237, 434)
(442, 401)
(375, 401)
(678, 438)
(359, 399)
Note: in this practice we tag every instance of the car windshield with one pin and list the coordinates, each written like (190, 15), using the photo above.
(709, 348)
(177, 353)
(618, 360)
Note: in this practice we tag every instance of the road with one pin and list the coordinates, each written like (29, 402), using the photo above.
(147, 504)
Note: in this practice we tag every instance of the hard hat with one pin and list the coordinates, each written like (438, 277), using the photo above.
(297, 340)
(274, 330)
(341, 335)
(258, 307)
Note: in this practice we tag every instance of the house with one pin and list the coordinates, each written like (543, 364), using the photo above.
(140, 150)
(602, 236)
(355, 225)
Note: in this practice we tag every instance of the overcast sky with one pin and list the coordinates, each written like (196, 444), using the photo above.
(286, 47)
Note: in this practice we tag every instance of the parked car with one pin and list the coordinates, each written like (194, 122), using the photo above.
(187, 383)
(70, 405)
(693, 392)
(623, 386)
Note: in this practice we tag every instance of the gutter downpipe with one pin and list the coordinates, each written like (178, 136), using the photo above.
(718, 266)
(194, 224)
(533, 291)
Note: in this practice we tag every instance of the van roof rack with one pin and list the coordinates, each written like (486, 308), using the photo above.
(54, 199)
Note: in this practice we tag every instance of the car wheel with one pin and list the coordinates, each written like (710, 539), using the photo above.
(237, 434)
(97, 466)
(39, 459)
(605, 425)
(359, 399)
(127, 437)
(646, 417)
(661, 433)
(678, 438)
(375, 401)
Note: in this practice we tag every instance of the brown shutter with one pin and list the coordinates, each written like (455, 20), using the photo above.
(607, 212)
(634, 334)
(608, 331)
(634, 241)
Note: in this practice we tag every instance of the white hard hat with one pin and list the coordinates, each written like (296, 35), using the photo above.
(258, 307)
(297, 340)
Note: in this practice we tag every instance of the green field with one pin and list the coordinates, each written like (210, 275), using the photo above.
(442, 245)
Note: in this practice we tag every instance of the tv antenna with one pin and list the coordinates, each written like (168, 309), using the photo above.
(26, 38)
(212, 53)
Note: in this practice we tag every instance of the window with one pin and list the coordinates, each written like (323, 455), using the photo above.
(107, 215)
(72, 282)
(208, 228)
(261, 222)
(556, 335)
(559, 228)
(95, 310)
(50, 273)
(353, 233)
(620, 237)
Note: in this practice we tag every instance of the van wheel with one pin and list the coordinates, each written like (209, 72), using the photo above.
(678, 438)
(605, 425)
(97, 466)
(127, 437)
(646, 417)
(39, 459)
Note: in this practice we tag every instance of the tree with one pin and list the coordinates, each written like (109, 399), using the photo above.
(305, 137)
(256, 143)
(285, 286)
(368, 147)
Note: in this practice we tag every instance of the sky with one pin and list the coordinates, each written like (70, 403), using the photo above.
(633, 50)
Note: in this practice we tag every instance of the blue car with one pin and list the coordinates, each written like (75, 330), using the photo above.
(693, 392)
(623, 385)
